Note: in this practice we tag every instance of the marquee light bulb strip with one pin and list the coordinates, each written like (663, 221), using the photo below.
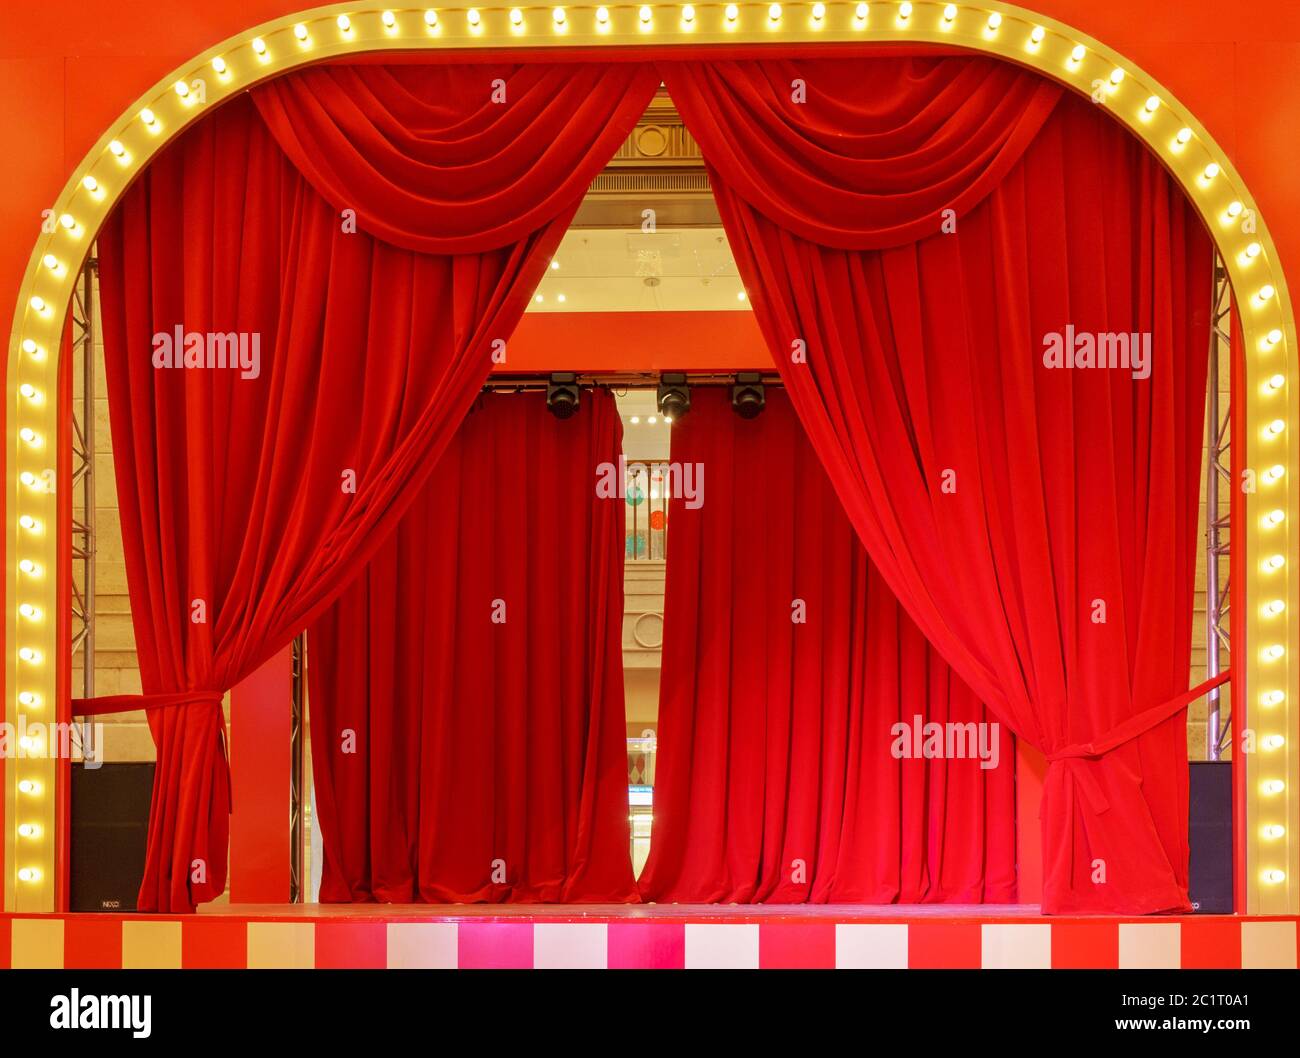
(1266, 670)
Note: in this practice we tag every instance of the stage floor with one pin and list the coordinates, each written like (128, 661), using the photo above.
(628, 912)
(636, 936)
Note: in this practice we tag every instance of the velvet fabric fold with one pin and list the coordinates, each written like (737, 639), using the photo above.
(468, 737)
(251, 494)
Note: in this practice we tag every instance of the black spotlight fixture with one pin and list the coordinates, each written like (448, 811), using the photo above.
(747, 395)
(674, 394)
(562, 394)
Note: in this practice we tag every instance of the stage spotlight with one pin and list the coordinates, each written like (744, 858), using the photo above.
(674, 394)
(562, 394)
(747, 395)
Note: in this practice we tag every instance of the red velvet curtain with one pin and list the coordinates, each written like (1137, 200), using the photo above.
(467, 731)
(250, 496)
(783, 776)
(1038, 523)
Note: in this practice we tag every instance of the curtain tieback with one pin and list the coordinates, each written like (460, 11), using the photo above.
(126, 703)
(1072, 757)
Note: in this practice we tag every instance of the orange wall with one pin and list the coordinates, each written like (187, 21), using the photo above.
(642, 341)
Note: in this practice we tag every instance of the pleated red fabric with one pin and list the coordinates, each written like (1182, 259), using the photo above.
(792, 761)
(861, 153)
(1038, 522)
(251, 495)
(467, 730)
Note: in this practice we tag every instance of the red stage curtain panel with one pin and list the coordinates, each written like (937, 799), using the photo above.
(468, 740)
(251, 494)
(792, 740)
(1037, 521)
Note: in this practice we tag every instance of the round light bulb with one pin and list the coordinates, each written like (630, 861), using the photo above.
(30, 347)
(1274, 607)
(558, 15)
(29, 830)
(431, 18)
(1274, 336)
(1152, 104)
(1253, 250)
(904, 10)
(1276, 517)
(51, 262)
(860, 12)
(1276, 427)
(29, 391)
(1234, 209)
(1274, 876)
(1277, 382)
(90, 184)
(37, 303)
(950, 12)
(29, 523)
(774, 12)
(29, 874)
(1274, 741)
(645, 14)
(30, 655)
(181, 89)
(300, 31)
(516, 16)
(1265, 292)
(1273, 831)
(818, 12)
(1274, 786)
(389, 19)
(473, 17)
(29, 786)
(345, 24)
(29, 699)
(602, 15)
(688, 13)
(259, 46)
(1036, 37)
(30, 612)
(1274, 652)
(1116, 75)
(1211, 170)
(995, 20)
(219, 64)
(116, 149)
(29, 479)
(1274, 562)
(29, 436)
(1272, 698)
(1077, 53)
(28, 567)
(1276, 471)
(68, 221)
(732, 12)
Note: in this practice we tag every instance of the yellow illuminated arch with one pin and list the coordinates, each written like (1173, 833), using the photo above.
(1264, 666)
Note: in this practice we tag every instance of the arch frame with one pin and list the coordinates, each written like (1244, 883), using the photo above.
(1265, 673)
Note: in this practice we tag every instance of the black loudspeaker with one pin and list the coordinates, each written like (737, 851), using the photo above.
(1210, 835)
(110, 826)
